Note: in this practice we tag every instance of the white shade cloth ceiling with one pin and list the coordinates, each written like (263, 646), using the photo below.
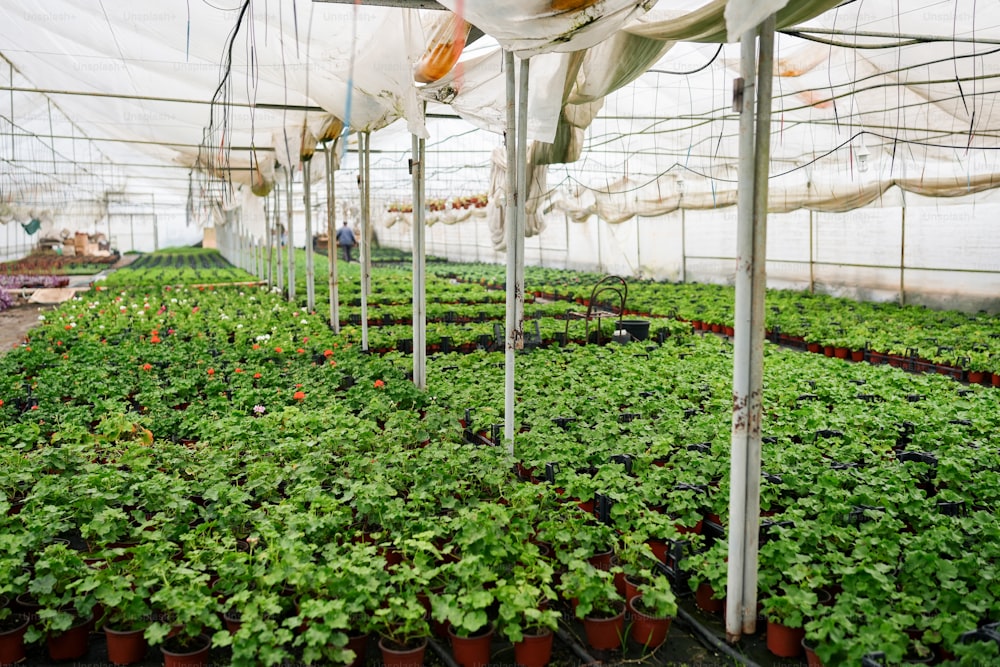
(918, 113)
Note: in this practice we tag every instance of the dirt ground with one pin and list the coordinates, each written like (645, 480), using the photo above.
(17, 321)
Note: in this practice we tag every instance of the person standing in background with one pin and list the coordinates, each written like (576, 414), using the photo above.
(346, 240)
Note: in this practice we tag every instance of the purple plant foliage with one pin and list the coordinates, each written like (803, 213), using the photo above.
(17, 281)
(6, 300)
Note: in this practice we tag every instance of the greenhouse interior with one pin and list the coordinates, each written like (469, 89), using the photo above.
(722, 278)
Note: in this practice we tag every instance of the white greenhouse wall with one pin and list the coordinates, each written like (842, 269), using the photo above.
(951, 257)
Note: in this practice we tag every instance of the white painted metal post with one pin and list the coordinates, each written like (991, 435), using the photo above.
(277, 233)
(510, 229)
(812, 265)
(331, 235)
(751, 280)
(902, 254)
(363, 139)
(310, 267)
(522, 198)
(762, 160)
(290, 177)
(741, 341)
(419, 268)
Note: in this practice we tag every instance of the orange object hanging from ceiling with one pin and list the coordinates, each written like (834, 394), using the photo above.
(443, 50)
(571, 5)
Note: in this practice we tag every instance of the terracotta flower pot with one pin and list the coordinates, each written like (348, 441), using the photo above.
(650, 631)
(605, 633)
(358, 644)
(703, 597)
(72, 643)
(474, 650)
(601, 561)
(534, 650)
(12, 641)
(783, 641)
(192, 654)
(125, 647)
(812, 660)
(393, 656)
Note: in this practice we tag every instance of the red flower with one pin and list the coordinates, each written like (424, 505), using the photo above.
(379, 383)
(34, 407)
(333, 363)
(67, 327)
(1, 402)
(256, 376)
(238, 370)
(147, 367)
(327, 353)
(298, 386)
(256, 346)
(278, 350)
(300, 350)
(195, 309)
(154, 339)
(299, 395)
(211, 371)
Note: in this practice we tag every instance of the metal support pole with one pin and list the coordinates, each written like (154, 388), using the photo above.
(156, 230)
(510, 229)
(749, 355)
(331, 235)
(522, 201)
(265, 251)
(812, 267)
(684, 261)
(310, 268)
(742, 325)
(289, 231)
(363, 139)
(516, 134)
(278, 237)
(419, 268)
(765, 78)
(902, 255)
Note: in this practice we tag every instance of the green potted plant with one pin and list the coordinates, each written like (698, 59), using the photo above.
(187, 610)
(122, 588)
(597, 602)
(709, 570)
(786, 615)
(652, 610)
(401, 621)
(523, 612)
(464, 606)
(64, 612)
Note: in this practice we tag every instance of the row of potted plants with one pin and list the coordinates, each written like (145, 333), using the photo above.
(212, 396)
(945, 338)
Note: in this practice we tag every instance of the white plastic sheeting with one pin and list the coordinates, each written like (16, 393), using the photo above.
(875, 98)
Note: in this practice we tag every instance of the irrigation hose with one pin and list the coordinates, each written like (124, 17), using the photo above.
(580, 652)
(713, 642)
(442, 653)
